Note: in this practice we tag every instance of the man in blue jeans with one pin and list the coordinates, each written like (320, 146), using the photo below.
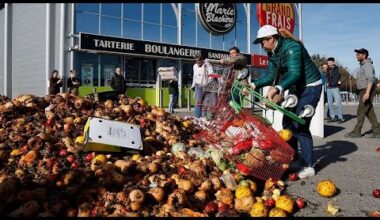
(199, 81)
(333, 92)
(290, 68)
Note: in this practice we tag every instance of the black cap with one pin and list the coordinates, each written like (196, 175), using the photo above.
(362, 51)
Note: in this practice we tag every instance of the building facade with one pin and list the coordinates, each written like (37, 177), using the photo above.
(94, 38)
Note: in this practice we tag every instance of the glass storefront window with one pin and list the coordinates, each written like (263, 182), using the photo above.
(110, 26)
(111, 9)
(188, 24)
(87, 68)
(151, 32)
(87, 23)
(169, 35)
(108, 64)
(229, 39)
(203, 36)
(132, 29)
(88, 7)
(217, 42)
(168, 15)
(148, 71)
(132, 68)
(241, 28)
(187, 73)
(152, 12)
(132, 11)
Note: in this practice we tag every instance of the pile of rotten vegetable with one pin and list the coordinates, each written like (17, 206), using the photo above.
(44, 170)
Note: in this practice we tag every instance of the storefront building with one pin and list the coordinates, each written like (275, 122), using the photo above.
(95, 38)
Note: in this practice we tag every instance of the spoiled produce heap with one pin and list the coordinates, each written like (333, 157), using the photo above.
(44, 170)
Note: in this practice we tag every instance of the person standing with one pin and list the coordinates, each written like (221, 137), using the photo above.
(324, 81)
(118, 82)
(55, 83)
(291, 67)
(366, 88)
(73, 82)
(333, 91)
(199, 81)
(173, 94)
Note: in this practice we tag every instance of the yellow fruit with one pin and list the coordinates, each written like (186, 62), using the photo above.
(258, 210)
(149, 138)
(244, 204)
(285, 203)
(276, 212)
(16, 152)
(79, 139)
(100, 158)
(186, 124)
(243, 191)
(252, 186)
(141, 102)
(326, 188)
(136, 157)
(286, 134)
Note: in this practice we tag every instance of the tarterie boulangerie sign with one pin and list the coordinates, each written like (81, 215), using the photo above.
(280, 15)
(128, 46)
(217, 18)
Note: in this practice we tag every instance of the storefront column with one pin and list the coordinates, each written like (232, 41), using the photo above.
(62, 46)
(179, 23)
(48, 57)
(7, 50)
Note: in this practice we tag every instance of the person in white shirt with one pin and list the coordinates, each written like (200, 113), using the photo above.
(199, 81)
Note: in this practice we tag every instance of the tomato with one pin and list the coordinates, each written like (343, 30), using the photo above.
(211, 207)
(376, 193)
(300, 203)
(293, 176)
(243, 168)
(70, 159)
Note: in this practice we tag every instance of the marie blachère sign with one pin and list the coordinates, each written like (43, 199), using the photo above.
(93, 42)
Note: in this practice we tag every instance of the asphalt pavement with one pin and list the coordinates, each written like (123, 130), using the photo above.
(351, 163)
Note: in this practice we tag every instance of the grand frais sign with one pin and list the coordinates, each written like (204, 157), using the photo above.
(217, 18)
(280, 15)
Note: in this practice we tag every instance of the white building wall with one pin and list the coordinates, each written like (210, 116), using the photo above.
(2, 51)
(28, 49)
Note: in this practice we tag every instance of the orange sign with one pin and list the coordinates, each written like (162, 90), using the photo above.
(280, 15)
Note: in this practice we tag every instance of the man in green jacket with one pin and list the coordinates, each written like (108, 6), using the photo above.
(291, 68)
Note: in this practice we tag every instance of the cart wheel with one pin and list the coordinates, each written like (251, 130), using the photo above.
(291, 101)
(307, 112)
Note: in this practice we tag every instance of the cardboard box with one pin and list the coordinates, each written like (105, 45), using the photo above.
(167, 73)
(111, 136)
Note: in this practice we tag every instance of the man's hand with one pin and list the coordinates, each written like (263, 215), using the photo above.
(365, 97)
(272, 91)
(221, 61)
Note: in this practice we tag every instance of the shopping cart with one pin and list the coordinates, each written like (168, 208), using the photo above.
(251, 145)
(289, 102)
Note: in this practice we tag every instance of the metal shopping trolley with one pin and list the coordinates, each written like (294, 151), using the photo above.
(251, 145)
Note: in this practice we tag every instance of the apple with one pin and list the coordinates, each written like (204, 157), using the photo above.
(378, 149)
(223, 207)
(66, 127)
(211, 207)
(270, 202)
(75, 165)
(70, 159)
(293, 176)
(300, 203)
(376, 193)
(63, 152)
(89, 157)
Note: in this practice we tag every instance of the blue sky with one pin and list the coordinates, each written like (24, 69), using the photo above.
(337, 29)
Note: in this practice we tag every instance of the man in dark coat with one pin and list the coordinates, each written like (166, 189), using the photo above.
(118, 82)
